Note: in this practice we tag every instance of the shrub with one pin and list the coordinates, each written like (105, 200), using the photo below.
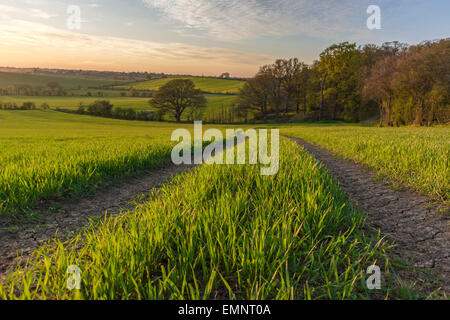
(100, 108)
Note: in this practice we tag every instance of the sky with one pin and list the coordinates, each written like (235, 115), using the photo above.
(201, 37)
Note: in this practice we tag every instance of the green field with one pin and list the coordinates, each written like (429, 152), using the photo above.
(220, 232)
(8, 78)
(51, 154)
(414, 157)
(210, 85)
(214, 101)
(74, 102)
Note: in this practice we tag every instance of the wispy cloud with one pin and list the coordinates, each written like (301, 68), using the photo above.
(46, 44)
(232, 20)
(25, 12)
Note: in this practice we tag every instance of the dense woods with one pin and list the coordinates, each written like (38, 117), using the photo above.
(401, 84)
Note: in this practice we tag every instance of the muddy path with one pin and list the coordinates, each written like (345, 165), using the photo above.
(420, 232)
(71, 216)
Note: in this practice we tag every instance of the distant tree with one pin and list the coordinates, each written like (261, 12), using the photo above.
(378, 86)
(11, 89)
(423, 68)
(277, 72)
(176, 96)
(257, 94)
(339, 67)
(127, 114)
(53, 85)
(100, 108)
(28, 106)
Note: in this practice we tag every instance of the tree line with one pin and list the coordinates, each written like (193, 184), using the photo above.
(27, 105)
(399, 83)
(104, 108)
(54, 89)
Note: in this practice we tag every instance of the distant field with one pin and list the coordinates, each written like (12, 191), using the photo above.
(414, 157)
(74, 102)
(205, 84)
(214, 102)
(7, 79)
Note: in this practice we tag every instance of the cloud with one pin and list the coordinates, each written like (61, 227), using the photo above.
(28, 12)
(234, 20)
(37, 43)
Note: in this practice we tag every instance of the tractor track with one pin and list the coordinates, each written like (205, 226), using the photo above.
(19, 240)
(420, 234)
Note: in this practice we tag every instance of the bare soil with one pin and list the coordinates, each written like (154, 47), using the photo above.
(67, 218)
(418, 227)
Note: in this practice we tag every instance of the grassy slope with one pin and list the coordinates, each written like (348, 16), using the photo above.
(218, 232)
(214, 102)
(7, 78)
(206, 84)
(74, 102)
(51, 153)
(415, 157)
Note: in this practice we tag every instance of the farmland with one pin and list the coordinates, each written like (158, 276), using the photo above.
(15, 79)
(78, 91)
(52, 154)
(413, 157)
(295, 235)
(210, 85)
(215, 103)
(218, 232)
(224, 159)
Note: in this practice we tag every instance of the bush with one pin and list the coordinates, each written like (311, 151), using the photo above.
(81, 109)
(127, 114)
(100, 108)
(28, 106)
(146, 115)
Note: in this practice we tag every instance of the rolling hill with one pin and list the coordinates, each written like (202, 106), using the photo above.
(9, 78)
(210, 85)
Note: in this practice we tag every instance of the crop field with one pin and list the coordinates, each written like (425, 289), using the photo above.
(220, 163)
(417, 158)
(51, 154)
(214, 101)
(218, 232)
(210, 85)
(8, 78)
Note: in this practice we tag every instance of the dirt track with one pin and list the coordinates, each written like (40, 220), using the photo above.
(422, 235)
(73, 216)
